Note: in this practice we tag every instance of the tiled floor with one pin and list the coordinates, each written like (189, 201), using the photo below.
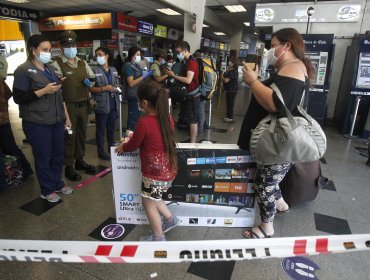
(340, 209)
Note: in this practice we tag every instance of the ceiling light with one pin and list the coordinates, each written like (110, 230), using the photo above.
(235, 8)
(247, 23)
(219, 33)
(205, 25)
(169, 12)
(255, 33)
(18, 1)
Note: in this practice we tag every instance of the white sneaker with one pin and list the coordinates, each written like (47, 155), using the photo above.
(53, 197)
(65, 190)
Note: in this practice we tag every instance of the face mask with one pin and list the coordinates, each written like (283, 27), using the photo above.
(70, 52)
(230, 63)
(101, 60)
(271, 58)
(44, 57)
(169, 65)
(138, 59)
(180, 56)
(163, 62)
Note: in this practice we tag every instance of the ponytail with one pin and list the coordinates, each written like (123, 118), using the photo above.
(157, 96)
(162, 108)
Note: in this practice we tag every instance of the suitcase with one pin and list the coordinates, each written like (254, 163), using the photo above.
(301, 184)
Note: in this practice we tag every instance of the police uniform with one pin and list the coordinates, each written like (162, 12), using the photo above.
(76, 96)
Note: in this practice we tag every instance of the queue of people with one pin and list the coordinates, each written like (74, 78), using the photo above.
(53, 97)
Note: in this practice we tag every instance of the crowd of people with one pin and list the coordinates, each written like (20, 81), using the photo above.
(53, 96)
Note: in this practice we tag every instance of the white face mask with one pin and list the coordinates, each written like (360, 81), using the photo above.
(169, 64)
(101, 60)
(271, 58)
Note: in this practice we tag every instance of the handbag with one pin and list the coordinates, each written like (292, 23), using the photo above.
(302, 183)
(179, 91)
(288, 139)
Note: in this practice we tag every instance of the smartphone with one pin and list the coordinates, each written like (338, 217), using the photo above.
(251, 60)
(60, 81)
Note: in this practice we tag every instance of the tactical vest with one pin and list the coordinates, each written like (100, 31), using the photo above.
(74, 90)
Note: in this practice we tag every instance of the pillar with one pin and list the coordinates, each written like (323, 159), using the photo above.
(197, 8)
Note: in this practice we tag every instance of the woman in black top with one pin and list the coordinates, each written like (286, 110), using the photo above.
(230, 79)
(293, 71)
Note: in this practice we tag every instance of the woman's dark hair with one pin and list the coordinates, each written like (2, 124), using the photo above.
(131, 52)
(291, 35)
(33, 42)
(106, 51)
(157, 96)
(235, 63)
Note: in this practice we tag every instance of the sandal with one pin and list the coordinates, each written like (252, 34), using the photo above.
(250, 234)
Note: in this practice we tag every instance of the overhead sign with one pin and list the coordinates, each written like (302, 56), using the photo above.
(145, 27)
(126, 23)
(282, 13)
(173, 34)
(222, 46)
(160, 31)
(91, 21)
(18, 13)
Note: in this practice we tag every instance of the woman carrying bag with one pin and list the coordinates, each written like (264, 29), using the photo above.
(293, 72)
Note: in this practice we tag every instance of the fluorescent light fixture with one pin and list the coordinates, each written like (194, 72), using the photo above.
(255, 33)
(18, 1)
(247, 23)
(169, 12)
(205, 25)
(235, 8)
(219, 33)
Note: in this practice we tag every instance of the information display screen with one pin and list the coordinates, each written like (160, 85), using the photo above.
(363, 74)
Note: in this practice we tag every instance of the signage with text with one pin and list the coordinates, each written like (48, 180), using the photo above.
(126, 23)
(18, 13)
(160, 31)
(92, 21)
(281, 13)
(145, 27)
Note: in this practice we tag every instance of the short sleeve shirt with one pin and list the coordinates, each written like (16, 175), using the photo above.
(127, 70)
(156, 70)
(233, 75)
(192, 66)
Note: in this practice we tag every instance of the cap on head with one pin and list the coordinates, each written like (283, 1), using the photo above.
(68, 37)
(3, 67)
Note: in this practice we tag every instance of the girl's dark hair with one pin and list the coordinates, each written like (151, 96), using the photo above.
(157, 96)
(131, 52)
(291, 35)
(106, 51)
(33, 42)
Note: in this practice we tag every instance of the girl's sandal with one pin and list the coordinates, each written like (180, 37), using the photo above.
(250, 234)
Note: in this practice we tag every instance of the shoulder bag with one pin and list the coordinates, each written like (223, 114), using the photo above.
(288, 139)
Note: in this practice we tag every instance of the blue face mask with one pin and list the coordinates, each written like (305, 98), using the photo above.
(138, 59)
(70, 52)
(180, 56)
(101, 60)
(44, 57)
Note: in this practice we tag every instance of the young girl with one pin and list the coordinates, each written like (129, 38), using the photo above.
(154, 135)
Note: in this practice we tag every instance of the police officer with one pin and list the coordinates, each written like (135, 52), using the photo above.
(75, 88)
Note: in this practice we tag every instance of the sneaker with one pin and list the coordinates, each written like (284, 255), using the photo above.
(228, 120)
(53, 197)
(152, 237)
(65, 190)
(104, 156)
(170, 224)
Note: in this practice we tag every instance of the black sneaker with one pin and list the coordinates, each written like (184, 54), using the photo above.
(104, 156)
(80, 164)
(71, 174)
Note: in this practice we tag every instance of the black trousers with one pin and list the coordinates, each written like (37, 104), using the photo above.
(9, 147)
(230, 98)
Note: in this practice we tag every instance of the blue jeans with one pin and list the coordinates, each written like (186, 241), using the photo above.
(47, 143)
(133, 114)
(105, 124)
(201, 115)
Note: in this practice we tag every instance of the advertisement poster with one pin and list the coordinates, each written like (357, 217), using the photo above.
(145, 27)
(160, 31)
(85, 50)
(111, 44)
(126, 23)
(206, 42)
(128, 41)
(91, 21)
(363, 75)
(214, 187)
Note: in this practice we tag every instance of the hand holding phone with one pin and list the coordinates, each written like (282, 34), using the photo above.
(61, 80)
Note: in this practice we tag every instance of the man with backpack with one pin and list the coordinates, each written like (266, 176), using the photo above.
(191, 104)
